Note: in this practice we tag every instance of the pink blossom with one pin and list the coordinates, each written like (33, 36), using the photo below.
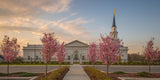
(10, 49)
(92, 53)
(60, 56)
(109, 50)
(151, 54)
(50, 46)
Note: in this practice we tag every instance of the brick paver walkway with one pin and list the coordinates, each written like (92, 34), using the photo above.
(76, 72)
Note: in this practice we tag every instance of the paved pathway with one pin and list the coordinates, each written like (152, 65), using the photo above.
(76, 73)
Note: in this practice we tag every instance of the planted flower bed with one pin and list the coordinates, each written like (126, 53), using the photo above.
(55, 75)
(95, 74)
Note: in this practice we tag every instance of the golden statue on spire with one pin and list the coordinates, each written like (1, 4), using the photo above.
(114, 12)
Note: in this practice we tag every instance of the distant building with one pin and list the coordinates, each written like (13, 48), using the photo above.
(76, 50)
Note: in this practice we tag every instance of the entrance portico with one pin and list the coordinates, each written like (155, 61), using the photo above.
(76, 51)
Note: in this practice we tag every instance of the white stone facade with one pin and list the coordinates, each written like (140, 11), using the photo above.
(76, 52)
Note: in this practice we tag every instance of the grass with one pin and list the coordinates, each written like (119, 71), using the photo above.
(27, 74)
(143, 74)
(3, 74)
(19, 73)
(119, 72)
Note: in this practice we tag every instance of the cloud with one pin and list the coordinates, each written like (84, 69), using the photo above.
(25, 20)
(16, 28)
(31, 8)
(16, 31)
(74, 26)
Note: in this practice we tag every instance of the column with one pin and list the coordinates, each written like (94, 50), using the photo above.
(80, 57)
(71, 58)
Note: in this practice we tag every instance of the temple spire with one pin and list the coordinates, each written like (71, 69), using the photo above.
(114, 33)
(114, 23)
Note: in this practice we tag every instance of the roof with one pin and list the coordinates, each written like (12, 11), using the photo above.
(114, 22)
(76, 41)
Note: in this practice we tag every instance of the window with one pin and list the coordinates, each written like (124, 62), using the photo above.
(36, 57)
(29, 57)
(68, 57)
(83, 58)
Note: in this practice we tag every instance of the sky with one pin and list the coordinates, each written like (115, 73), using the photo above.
(137, 21)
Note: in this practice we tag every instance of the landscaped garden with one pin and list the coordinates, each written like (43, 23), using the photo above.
(96, 74)
(57, 74)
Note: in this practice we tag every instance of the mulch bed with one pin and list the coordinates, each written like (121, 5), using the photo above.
(115, 76)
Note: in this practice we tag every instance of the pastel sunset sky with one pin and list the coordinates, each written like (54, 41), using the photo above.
(84, 20)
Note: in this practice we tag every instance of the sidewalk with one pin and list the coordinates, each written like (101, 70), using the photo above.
(76, 72)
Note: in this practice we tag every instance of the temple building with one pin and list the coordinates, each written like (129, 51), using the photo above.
(76, 50)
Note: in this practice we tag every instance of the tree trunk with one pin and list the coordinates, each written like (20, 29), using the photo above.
(93, 64)
(59, 64)
(149, 67)
(107, 70)
(46, 67)
(8, 68)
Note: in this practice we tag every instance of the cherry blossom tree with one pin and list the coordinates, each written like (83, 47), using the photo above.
(60, 55)
(92, 53)
(150, 53)
(50, 47)
(10, 50)
(109, 50)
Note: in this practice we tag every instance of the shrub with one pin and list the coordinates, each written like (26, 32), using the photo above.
(115, 63)
(3, 74)
(95, 74)
(98, 63)
(119, 72)
(143, 74)
(28, 74)
(75, 62)
(19, 73)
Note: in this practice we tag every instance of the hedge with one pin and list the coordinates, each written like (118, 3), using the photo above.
(35, 63)
(122, 63)
(135, 63)
(95, 74)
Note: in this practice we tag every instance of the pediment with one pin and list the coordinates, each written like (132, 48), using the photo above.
(76, 43)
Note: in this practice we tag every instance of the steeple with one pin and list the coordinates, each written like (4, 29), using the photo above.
(114, 33)
(114, 23)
